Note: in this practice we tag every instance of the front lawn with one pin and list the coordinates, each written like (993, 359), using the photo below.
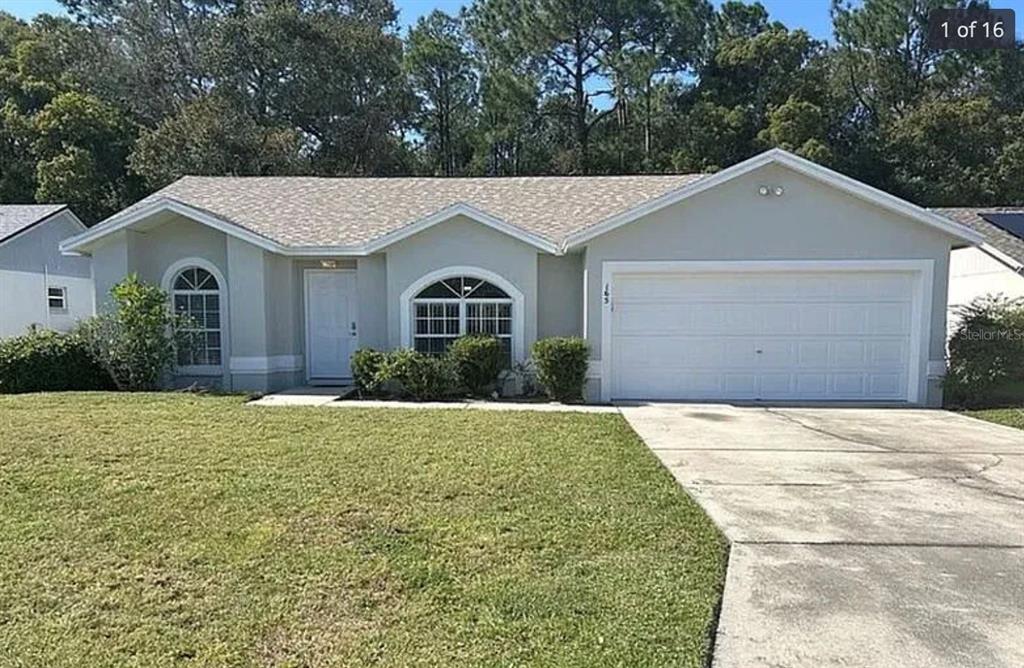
(1011, 417)
(167, 530)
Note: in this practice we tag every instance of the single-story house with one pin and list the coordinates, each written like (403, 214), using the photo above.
(775, 279)
(38, 284)
(994, 267)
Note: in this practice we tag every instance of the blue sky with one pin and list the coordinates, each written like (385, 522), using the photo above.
(812, 15)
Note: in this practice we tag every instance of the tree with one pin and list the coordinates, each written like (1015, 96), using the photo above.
(159, 45)
(883, 55)
(82, 145)
(211, 136)
(665, 38)
(565, 43)
(58, 142)
(511, 139)
(330, 69)
(800, 127)
(950, 152)
(442, 74)
(758, 73)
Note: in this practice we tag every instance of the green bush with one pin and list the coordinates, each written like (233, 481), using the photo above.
(136, 342)
(562, 366)
(986, 352)
(478, 360)
(422, 377)
(366, 366)
(47, 361)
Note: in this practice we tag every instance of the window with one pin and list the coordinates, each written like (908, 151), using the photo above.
(57, 298)
(454, 307)
(195, 294)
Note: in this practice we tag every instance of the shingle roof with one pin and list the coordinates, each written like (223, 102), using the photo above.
(997, 237)
(16, 217)
(312, 211)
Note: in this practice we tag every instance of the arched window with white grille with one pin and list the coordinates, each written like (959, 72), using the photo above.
(460, 301)
(196, 295)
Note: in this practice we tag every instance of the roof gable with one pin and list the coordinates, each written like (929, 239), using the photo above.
(798, 165)
(17, 218)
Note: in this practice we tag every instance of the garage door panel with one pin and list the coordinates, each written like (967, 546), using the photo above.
(814, 336)
(741, 385)
(778, 318)
(889, 353)
(815, 319)
(649, 319)
(886, 384)
(812, 385)
(813, 353)
(891, 319)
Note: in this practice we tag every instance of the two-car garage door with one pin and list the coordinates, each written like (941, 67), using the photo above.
(773, 335)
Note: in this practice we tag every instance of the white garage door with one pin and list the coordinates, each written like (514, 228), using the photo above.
(762, 336)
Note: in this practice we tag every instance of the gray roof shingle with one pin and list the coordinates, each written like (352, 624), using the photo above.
(16, 217)
(996, 236)
(312, 211)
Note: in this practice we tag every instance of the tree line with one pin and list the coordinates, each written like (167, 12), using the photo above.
(121, 97)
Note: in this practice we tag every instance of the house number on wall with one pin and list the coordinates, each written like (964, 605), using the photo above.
(607, 294)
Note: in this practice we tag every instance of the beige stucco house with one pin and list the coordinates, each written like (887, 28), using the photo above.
(776, 279)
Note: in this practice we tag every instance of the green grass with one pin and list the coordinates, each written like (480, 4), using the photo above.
(1011, 417)
(179, 530)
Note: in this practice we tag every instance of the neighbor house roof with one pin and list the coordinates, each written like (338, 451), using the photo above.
(17, 217)
(996, 238)
(319, 216)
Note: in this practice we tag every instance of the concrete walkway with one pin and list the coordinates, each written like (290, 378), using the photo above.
(331, 398)
(860, 537)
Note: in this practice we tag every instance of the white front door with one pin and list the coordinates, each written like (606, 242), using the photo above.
(763, 336)
(331, 334)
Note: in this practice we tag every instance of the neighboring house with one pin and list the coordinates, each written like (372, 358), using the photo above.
(994, 267)
(775, 279)
(38, 284)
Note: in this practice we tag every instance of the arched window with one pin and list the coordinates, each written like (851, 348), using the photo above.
(195, 294)
(460, 305)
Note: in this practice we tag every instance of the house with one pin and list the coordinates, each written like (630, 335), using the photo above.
(996, 266)
(775, 279)
(38, 284)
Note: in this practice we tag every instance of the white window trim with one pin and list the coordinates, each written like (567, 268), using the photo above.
(221, 369)
(920, 334)
(63, 298)
(515, 295)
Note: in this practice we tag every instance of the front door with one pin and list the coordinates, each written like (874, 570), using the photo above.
(330, 323)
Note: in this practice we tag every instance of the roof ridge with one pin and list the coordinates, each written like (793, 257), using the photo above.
(539, 177)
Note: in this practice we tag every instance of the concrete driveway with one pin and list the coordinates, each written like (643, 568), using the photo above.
(860, 537)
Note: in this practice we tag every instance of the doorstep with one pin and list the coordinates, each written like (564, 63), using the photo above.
(306, 395)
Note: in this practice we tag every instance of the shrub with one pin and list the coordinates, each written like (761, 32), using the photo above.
(478, 361)
(366, 366)
(136, 343)
(986, 352)
(46, 361)
(423, 377)
(562, 366)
